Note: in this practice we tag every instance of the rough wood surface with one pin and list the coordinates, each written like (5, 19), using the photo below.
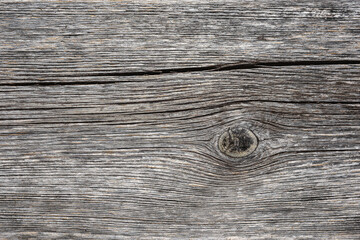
(139, 159)
(111, 112)
(38, 38)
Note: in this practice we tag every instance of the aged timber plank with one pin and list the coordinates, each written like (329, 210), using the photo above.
(82, 37)
(138, 158)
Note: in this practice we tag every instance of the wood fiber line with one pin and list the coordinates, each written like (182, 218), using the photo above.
(33, 79)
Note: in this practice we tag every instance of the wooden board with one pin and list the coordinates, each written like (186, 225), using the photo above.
(112, 140)
(67, 37)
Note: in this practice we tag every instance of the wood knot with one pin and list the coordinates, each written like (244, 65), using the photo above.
(237, 142)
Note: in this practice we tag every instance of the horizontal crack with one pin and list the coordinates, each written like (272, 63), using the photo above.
(220, 67)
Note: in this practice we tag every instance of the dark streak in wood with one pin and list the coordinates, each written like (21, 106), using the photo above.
(223, 67)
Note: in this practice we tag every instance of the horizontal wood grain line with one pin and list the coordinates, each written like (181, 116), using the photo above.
(213, 106)
(220, 67)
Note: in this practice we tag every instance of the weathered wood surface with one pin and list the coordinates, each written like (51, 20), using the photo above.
(40, 38)
(89, 153)
(138, 158)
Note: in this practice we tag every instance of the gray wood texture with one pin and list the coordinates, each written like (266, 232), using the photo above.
(111, 113)
(40, 38)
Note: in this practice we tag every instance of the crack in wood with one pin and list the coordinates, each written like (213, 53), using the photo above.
(220, 67)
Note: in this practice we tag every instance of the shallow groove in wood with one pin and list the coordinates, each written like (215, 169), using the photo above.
(222, 67)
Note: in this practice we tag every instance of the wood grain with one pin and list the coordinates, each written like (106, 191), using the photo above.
(138, 158)
(67, 37)
(111, 112)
